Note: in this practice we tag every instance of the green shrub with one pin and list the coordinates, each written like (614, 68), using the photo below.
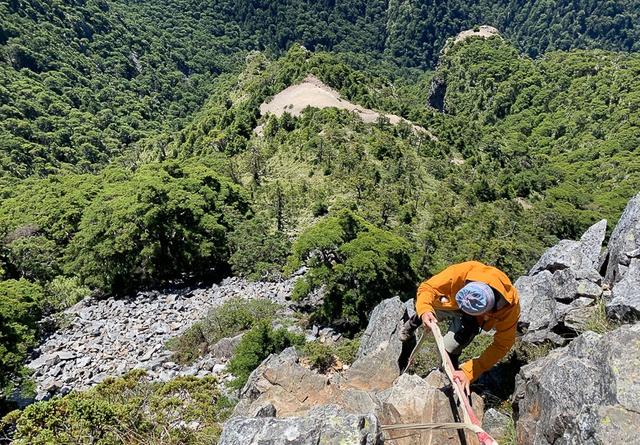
(255, 346)
(355, 263)
(320, 355)
(188, 346)
(20, 309)
(230, 319)
(259, 251)
(63, 292)
(347, 349)
(319, 208)
(128, 410)
(158, 223)
(34, 257)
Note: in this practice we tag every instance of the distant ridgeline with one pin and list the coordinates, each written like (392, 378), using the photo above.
(83, 81)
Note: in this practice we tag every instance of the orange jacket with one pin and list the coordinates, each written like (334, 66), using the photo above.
(448, 282)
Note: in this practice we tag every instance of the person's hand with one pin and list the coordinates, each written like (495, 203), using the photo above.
(428, 318)
(461, 377)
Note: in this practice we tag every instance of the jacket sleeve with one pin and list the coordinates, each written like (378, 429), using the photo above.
(439, 284)
(503, 340)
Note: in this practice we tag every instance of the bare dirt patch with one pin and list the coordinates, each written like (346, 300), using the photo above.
(484, 31)
(312, 92)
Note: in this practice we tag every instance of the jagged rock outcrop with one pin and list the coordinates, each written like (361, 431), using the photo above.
(559, 294)
(585, 393)
(382, 356)
(623, 265)
(624, 243)
(326, 424)
(371, 386)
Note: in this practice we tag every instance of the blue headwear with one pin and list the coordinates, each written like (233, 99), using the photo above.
(475, 298)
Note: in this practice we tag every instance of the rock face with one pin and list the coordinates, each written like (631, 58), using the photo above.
(624, 303)
(585, 393)
(624, 243)
(558, 295)
(623, 265)
(322, 425)
(114, 336)
(372, 386)
(496, 424)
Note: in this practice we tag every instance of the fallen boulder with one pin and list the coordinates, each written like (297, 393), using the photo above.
(585, 393)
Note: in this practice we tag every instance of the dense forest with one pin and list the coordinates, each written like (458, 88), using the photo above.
(84, 81)
(129, 157)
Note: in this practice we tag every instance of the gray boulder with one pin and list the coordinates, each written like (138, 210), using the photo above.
(322, 425)
(496, 424)
(576, 255)
(585, 393)
(381, 356)
(624, 240)
(560, 291)
(224, 348)
(624, 303)
(382, 331)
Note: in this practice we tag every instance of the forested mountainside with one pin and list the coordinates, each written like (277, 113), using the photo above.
(135, 151)
(84, 81)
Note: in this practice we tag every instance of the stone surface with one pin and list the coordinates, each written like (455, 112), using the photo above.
(372, 386)
(496, 424)
(624, 239)
(624, 303)
(561, 290)
(385, 320)
(587, 392)
(412, 399)
(591, 242)
(225, 347)
(381, 356)
(113, 336)
(577, 255)
(322, 425)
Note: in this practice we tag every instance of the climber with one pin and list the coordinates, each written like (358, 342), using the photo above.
(472, 296)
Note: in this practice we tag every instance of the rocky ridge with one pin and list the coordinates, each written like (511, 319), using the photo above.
(281, 391)
(563, 289)
(583, 393)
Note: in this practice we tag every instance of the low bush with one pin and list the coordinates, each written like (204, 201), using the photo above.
(322, 356)
(256, 345)
(130, 410)
(20, 309)
(63, 292)
(228, 320)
